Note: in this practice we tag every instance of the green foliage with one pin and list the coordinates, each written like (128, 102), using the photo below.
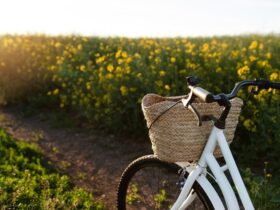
(133, 195)
(264, 190)
(160, 198)
(27, 181)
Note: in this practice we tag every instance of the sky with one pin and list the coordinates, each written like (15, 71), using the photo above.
(140, 18)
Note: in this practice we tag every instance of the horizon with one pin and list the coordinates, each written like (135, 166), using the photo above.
(140, 37)
(152, 19)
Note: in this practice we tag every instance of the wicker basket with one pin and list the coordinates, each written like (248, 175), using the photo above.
(175, 134)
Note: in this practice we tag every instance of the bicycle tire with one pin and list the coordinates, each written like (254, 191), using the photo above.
(128, 195)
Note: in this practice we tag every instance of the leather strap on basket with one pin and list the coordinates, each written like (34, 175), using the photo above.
(190, 107)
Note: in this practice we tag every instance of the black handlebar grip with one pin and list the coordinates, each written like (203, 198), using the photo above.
(203, 94)
(275, 85)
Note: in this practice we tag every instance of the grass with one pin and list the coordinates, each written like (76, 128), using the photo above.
(29, 181)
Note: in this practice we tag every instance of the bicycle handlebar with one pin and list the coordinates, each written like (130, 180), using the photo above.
(209, 97)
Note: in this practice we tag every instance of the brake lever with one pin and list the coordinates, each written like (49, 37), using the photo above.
(197, 115)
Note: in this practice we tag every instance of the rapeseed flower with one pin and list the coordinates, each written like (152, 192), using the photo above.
(243, 71)
(162, 73)
(88, 85)
(172, 59)
(268, 55)
(124, 54)
(124, 90)
(205, 47)
(167, 87)
(253, 45)
(82, 68)
(57, 45)
(56, 91)
(274, 76)
(110, 68)
(79, 47)
(100, 59)
(118, 54)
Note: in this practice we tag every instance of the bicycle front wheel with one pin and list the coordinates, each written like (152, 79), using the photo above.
(149, 183)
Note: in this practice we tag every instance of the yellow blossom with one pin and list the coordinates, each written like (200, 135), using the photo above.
(109, 76)
(127, 70)
(248, 124)
(172, 59)
(157, 60)
(82, 68)
(268, 175)
(120, 61)
(80, 47)
(100, 59)
(253, 45)
(219, 70)
(56, 91)
(128, 60)
(137, 55)
(118, 69)
(166, 87)
(263, 63)
(157, 51)
(124, 54)
(58, 44)
(88, 85)
(205, 47)
(118, 53)
(252, 58)
(224, 45)
(124, 90)
(260, 96)
(243, 71)
(110, 68)
(268, 55)
(162, 73)
(274, 76)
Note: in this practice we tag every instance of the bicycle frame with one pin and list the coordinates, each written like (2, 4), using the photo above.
(198, 173)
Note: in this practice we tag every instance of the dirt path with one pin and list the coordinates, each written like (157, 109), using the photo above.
(94, 162)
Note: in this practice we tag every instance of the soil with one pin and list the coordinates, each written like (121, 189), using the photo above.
(93, 161)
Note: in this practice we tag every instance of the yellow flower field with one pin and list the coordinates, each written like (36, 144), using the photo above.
(104, 79)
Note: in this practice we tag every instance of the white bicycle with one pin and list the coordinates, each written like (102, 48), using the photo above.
(150, 183)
